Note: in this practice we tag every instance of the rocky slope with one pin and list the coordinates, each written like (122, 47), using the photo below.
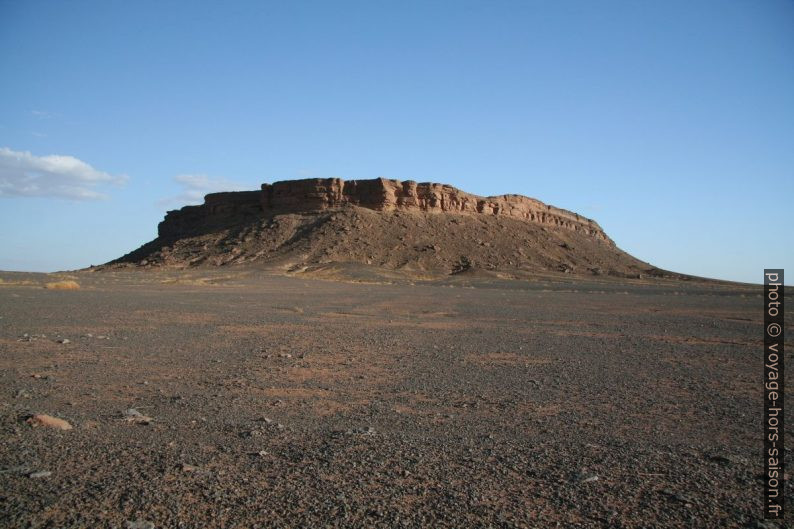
(421, 229)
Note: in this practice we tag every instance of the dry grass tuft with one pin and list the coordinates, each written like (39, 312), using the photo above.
(63, 285)
(199, 281)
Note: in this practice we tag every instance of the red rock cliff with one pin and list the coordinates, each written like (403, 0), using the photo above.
(378, 194)
(388, 195)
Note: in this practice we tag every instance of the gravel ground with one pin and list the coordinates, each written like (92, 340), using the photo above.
(229, 399)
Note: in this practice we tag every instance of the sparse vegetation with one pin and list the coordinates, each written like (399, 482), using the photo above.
(62, 285)
(6, 283)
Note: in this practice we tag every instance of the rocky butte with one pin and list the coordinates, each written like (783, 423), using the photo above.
(423, 229)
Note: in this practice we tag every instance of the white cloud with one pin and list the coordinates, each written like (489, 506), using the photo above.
(195, 186)
(23, 174)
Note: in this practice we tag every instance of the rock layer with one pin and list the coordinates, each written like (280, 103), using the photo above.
(420, 229)
(380, 194)
(388, 195)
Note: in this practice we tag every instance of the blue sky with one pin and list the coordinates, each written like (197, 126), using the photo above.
(670, 123)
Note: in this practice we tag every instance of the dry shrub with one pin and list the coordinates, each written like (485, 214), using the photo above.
(63, 285)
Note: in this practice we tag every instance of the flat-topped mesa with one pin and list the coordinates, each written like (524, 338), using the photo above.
(380, 194)
(388, 195)
(362, 227)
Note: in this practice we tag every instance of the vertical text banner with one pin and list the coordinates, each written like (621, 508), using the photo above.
(773, 394)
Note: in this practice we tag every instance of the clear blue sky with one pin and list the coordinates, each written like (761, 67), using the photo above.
(671, 123)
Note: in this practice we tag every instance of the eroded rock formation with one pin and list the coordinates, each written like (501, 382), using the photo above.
(388, 195)
(378, 194)
(368, 228)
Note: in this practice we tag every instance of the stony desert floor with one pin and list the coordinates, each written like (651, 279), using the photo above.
(234, 398)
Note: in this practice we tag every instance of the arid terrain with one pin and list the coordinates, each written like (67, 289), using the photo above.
(405, 229)
(236, 397)
(377, 353)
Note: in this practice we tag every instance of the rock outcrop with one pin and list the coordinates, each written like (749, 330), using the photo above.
(422, 229)
(380, 194)
(219, 209)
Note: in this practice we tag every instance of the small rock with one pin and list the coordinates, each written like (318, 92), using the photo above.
(40, 474)
(585, 477)
(22, 469)
(49, 421)
(676, 496)
(138, 524)
(369, 430)
(64, 341)
(189, 468)
(727, 459)
(133, 415)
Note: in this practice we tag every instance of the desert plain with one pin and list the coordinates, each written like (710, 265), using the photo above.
(240, 398)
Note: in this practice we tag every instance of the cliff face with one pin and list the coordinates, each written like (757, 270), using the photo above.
(293, 196)
(218, 209)
(418, 229)
(388, 195)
